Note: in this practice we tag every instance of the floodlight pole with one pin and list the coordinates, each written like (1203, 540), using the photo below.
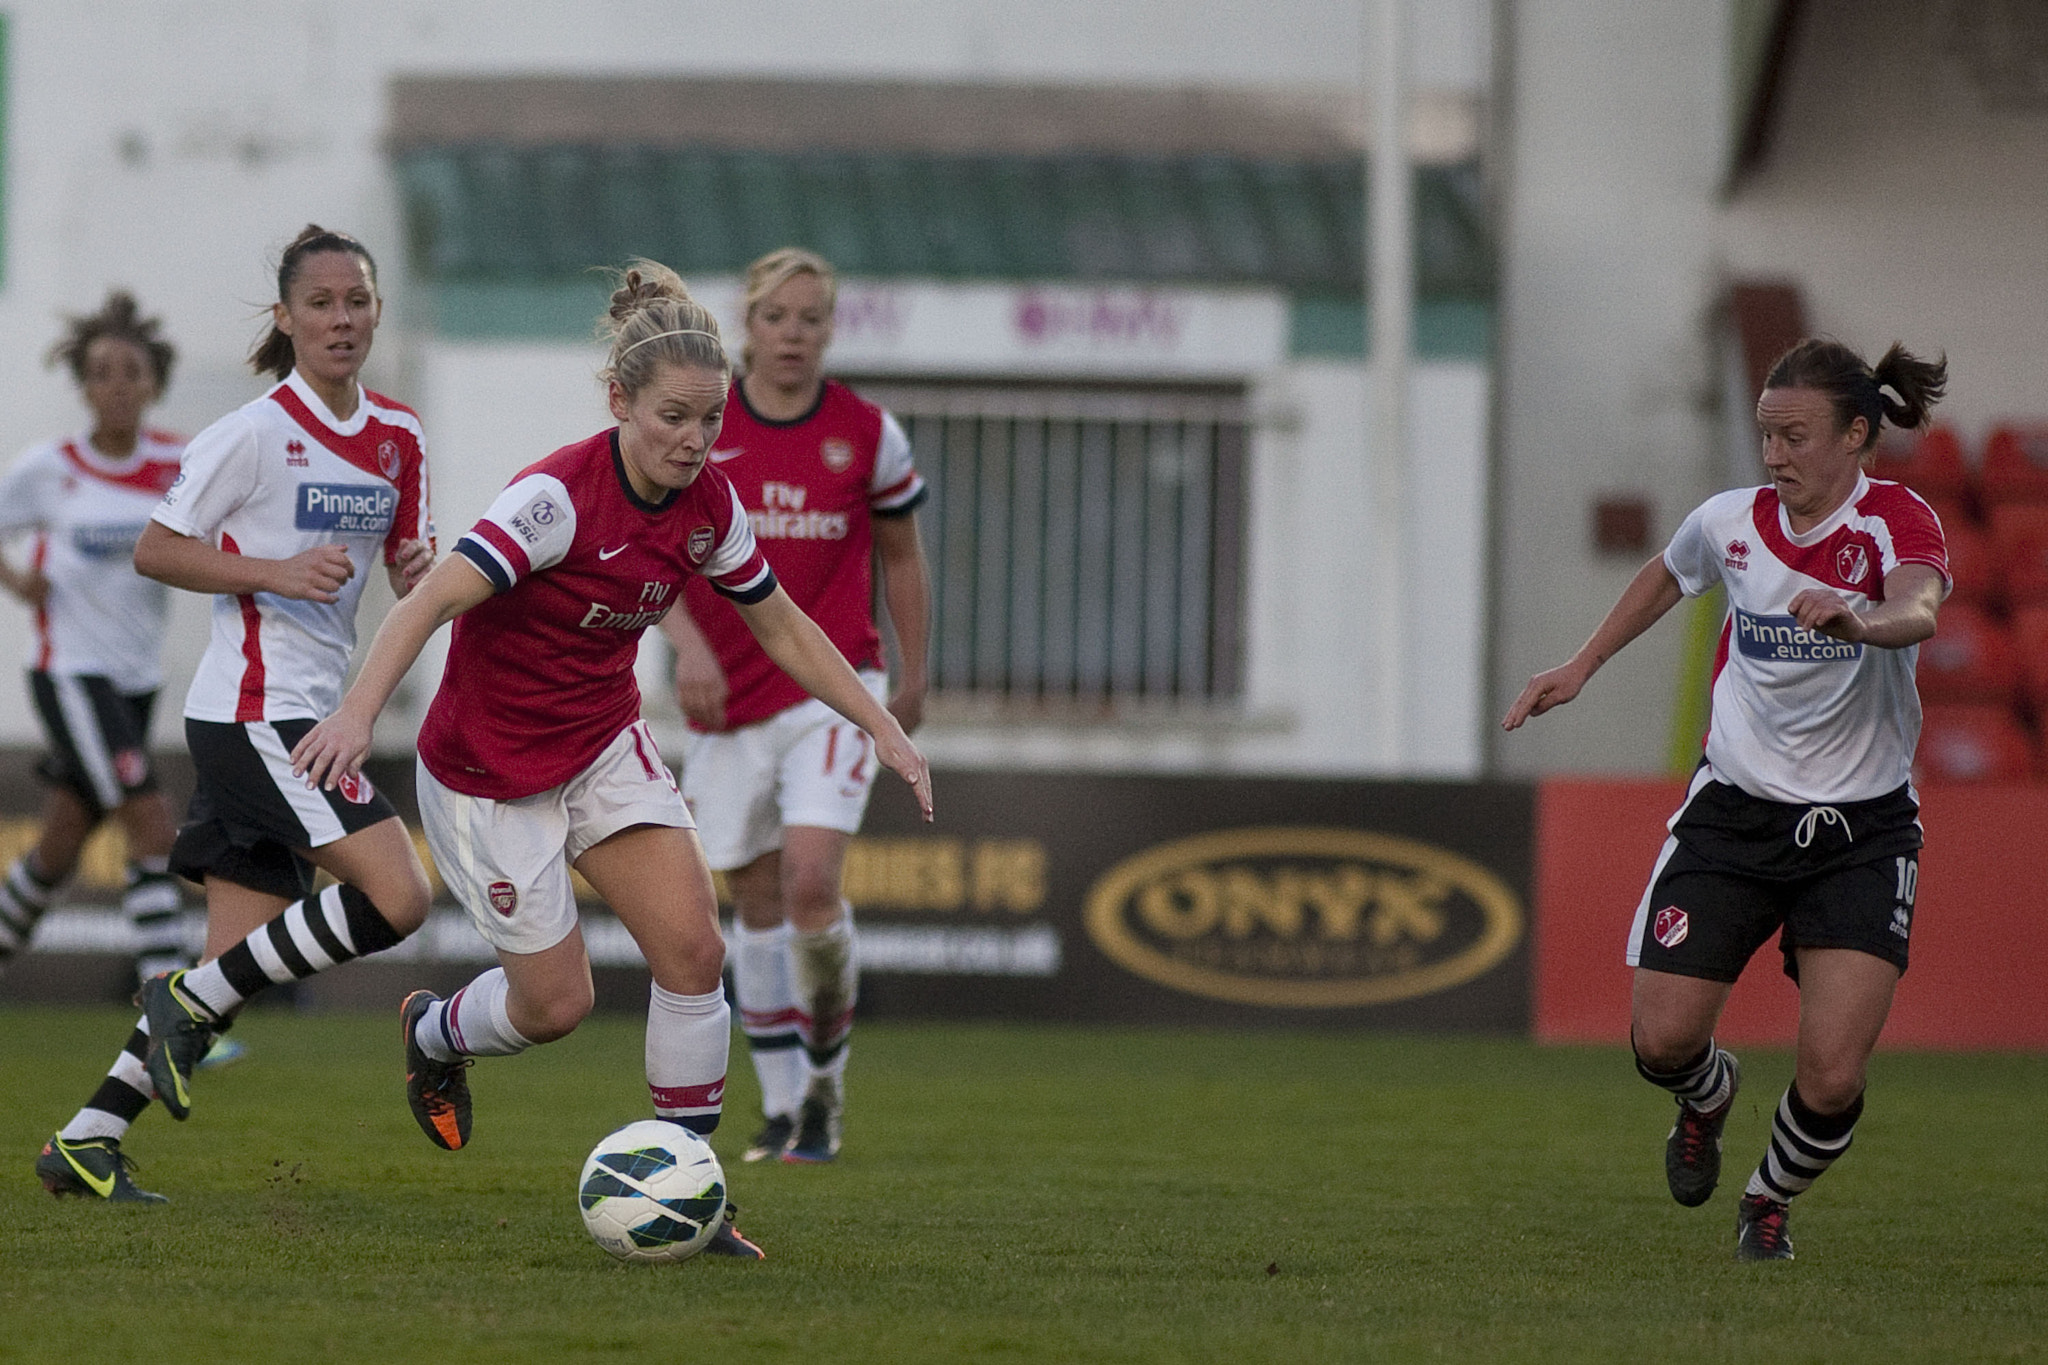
(1390, 312)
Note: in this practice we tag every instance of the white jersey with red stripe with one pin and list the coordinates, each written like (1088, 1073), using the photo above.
(87, 510)
(539, 679)
(274, 478)
(811, 486)
(1798, 716)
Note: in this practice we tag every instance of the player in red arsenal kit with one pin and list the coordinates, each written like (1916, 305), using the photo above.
(1801, 820)
(778, 781)
(279, 509)
(533, 758)
(99, 630)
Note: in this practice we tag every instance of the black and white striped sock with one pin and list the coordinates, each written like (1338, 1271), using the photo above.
(122, 1096)
(24, 896)
(1803, 1145)
(1705, 1082)
(155, 910)
(338, 925)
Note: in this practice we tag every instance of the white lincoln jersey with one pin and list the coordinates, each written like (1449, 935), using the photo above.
(87, 510)
(1798, 716)
(274, 478)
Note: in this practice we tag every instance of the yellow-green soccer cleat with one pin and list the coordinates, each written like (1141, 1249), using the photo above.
(91, 1168)
(179, 1037)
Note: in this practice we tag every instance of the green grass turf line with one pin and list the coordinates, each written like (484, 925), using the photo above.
(1026, 1194)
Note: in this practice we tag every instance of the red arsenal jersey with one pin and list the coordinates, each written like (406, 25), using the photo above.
(540, 676)
(811, 487)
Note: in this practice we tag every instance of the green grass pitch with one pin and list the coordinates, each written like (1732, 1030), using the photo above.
(1026, 1194)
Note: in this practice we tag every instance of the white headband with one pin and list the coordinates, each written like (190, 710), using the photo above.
(685, 332)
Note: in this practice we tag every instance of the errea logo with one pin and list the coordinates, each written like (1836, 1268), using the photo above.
(1738, 554)
(295, 454)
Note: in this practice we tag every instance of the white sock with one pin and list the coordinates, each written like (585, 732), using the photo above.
(827, 982)
(764, 987)
(473, 1022)
(688, 1037)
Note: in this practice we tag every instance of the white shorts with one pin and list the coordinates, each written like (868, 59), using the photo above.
(808, 765)
(508, 861)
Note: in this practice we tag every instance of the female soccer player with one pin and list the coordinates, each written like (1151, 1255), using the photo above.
(277, 505)
(533, 758)
(99, 629)
(1802, 817)
(776, 780)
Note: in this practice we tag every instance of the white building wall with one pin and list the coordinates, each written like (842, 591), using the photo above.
(1616, 135)
(172, 146)
(1908, 207)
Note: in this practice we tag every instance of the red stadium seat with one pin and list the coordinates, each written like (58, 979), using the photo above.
(2016, 464)
(1971, 564)
(2030, 649)
(1931, 463)
(1970, 658)
(2019, 545)
(1973, 742)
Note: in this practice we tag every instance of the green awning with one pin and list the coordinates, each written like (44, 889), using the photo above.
(489, 213)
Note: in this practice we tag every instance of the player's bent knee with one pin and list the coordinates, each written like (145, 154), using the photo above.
(544, 1021)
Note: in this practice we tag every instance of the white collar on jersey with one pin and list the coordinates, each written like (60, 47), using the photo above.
(1829, 524)
(354, 424)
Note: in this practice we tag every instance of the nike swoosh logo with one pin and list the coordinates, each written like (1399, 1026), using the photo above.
(721, 456)
(607, 554)
(103, 1186)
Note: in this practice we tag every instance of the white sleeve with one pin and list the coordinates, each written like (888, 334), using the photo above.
(897, 486)
(736, 566)
(1692, 556)
(21, 493)
(529, 528)
(217, 475)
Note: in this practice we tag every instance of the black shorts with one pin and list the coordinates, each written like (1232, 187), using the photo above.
(1738, 868)
(251, 820)
(99, 738)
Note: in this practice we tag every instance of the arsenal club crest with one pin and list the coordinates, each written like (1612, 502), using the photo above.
(837, 454)
(698, 546)
(504, 897)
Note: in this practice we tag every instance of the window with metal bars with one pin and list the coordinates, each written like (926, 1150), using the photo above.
(1086, 545)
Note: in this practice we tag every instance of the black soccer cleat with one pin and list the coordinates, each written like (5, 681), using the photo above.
(180, 1036)
(730, 1241)
(91, 1168)
(816, 1139)
(772, 1140)
(1760, 1231)
(1692, 1153)
(437, 1091)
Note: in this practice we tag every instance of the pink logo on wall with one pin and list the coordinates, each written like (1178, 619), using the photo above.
(1102, 317)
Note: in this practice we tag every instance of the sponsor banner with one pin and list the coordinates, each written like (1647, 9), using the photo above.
(348, 508)
(1979, 941)
(926, 327)
(1780, 639)
(1198, 900)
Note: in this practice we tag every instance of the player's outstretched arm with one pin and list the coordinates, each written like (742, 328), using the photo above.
(1912, 602)
(701, 689)
(182, 561)
(1651, 593)
(796, 644)
(340, 743)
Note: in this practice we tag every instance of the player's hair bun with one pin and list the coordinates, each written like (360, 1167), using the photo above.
(652, 321)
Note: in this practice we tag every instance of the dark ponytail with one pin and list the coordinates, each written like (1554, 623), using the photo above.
(273, 354)
(1855, 390)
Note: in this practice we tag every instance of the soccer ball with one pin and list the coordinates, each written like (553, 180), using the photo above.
(652, 1191)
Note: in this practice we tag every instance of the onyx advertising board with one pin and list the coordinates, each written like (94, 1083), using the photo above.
(1226, 901)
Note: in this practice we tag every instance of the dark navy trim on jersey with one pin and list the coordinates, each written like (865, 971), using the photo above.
(761, 590)
(817, 406)
(904, 508)
(626, 484)
(486, 563)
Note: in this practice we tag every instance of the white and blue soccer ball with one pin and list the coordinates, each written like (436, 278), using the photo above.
(652, 1191)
